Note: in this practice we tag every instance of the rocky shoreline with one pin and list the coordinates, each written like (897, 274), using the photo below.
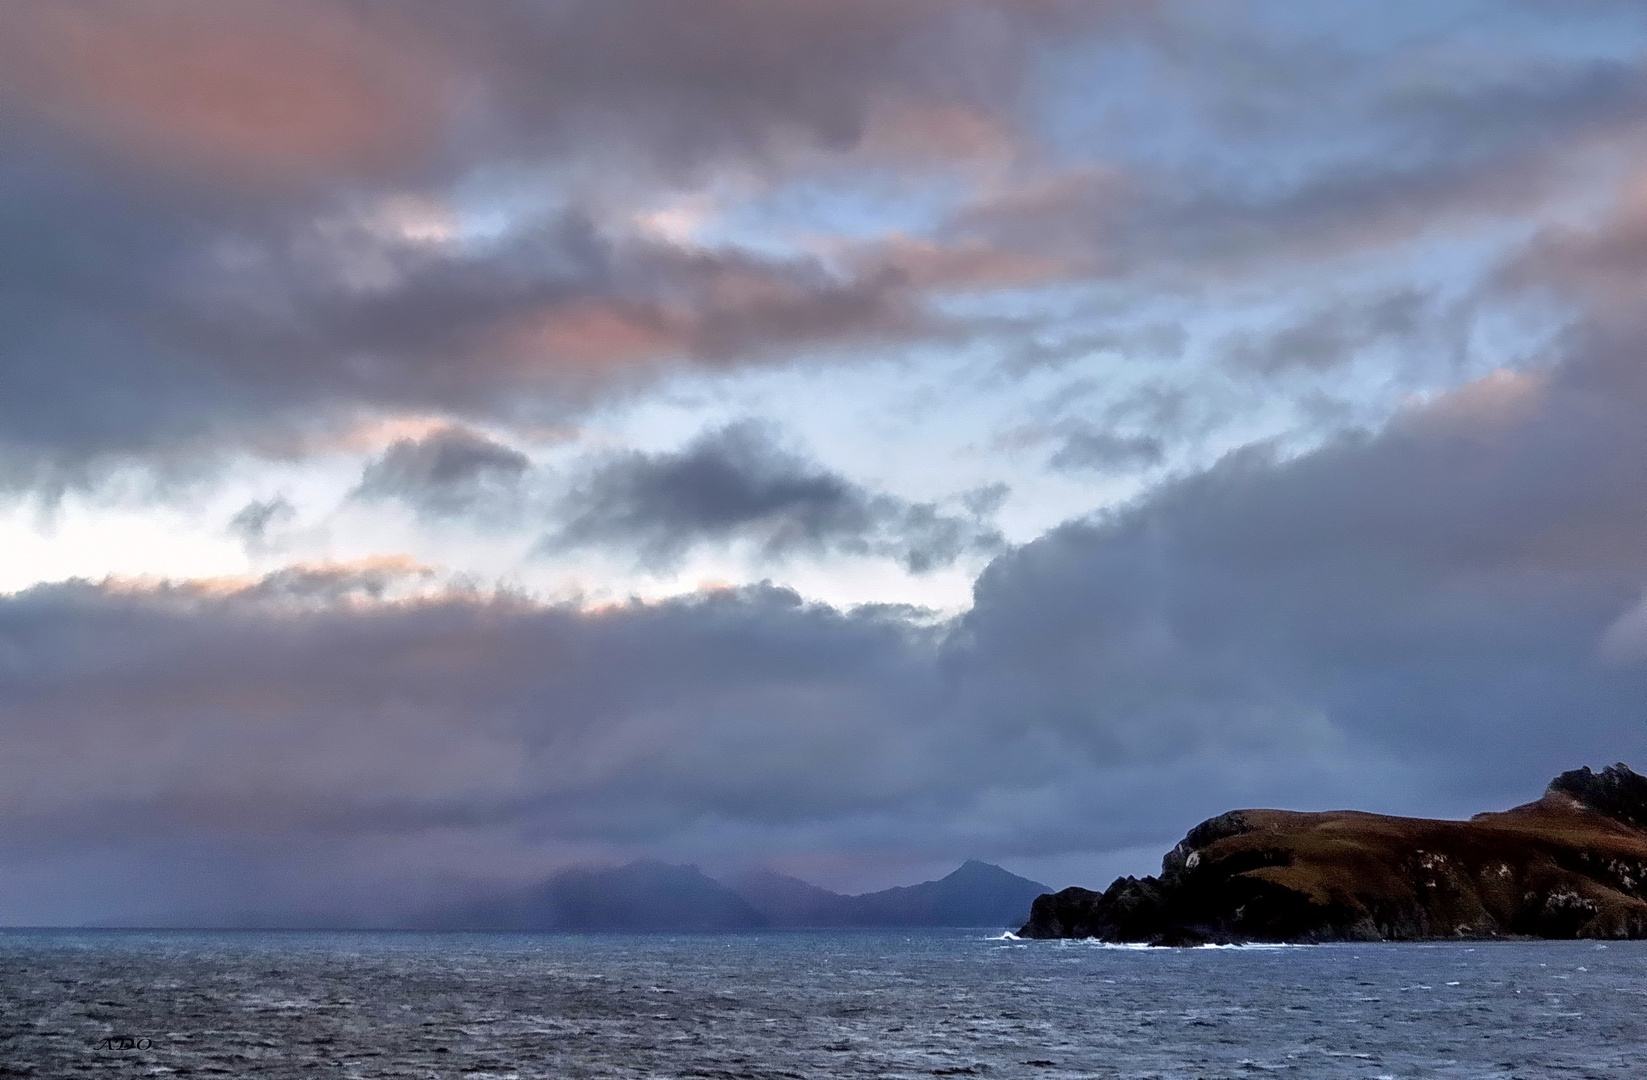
(1571, 865)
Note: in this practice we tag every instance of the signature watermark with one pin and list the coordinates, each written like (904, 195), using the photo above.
(125, 1042)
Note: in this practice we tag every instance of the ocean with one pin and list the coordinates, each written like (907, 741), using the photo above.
(828, 1004)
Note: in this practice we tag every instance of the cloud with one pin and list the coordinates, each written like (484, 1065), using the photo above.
(1339, 331)
(302, 743)
(1103, 451)
(374, 578)
(267, 91)
(963, 266)
(516, 725)
(253, 521)
(205, 209)
(228, 227)
(258, 93)
(254, 226)
(1439, 591)
(1367, 146)
(180, 347)
(738, 484)
(445, 472)
(1429, 618)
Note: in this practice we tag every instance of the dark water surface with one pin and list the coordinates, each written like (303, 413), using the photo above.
(899, 1004)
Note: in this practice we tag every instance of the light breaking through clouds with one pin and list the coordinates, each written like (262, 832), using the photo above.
(441, 444)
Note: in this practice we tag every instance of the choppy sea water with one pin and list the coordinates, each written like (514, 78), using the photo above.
(896, 1004)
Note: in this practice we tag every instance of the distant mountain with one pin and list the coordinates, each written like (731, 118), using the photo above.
(655, 897)
(642, 897)
(788, 901)
(976, 894)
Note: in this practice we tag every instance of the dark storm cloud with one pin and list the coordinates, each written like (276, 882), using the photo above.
(268, 714)
(1440, 593)
(1465, 588)
(738, 483)
(445, 472)
(268, 721)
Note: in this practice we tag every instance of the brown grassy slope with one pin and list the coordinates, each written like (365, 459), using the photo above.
(1557, 867)
(1549, 869)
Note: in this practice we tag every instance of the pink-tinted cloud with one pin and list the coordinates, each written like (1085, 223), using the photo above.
(257, 217)
(256, 94)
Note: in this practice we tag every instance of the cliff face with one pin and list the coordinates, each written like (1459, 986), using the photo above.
(1572, 864)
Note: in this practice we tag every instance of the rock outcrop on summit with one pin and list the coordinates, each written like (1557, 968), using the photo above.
(1571, 865)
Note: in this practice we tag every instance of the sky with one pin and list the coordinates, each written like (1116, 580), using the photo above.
(441, 444)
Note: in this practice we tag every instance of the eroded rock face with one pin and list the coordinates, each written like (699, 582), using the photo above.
(1616, 791)
(1572, 864)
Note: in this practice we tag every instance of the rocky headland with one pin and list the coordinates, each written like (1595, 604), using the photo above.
(1571, 865)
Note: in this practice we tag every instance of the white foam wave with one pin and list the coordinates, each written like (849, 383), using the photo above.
(1137, 946)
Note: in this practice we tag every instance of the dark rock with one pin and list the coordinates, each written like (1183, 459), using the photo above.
(1616, 791)
(1185, 937)
(1572, 864)
(1131, 909)
(1069, 913)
